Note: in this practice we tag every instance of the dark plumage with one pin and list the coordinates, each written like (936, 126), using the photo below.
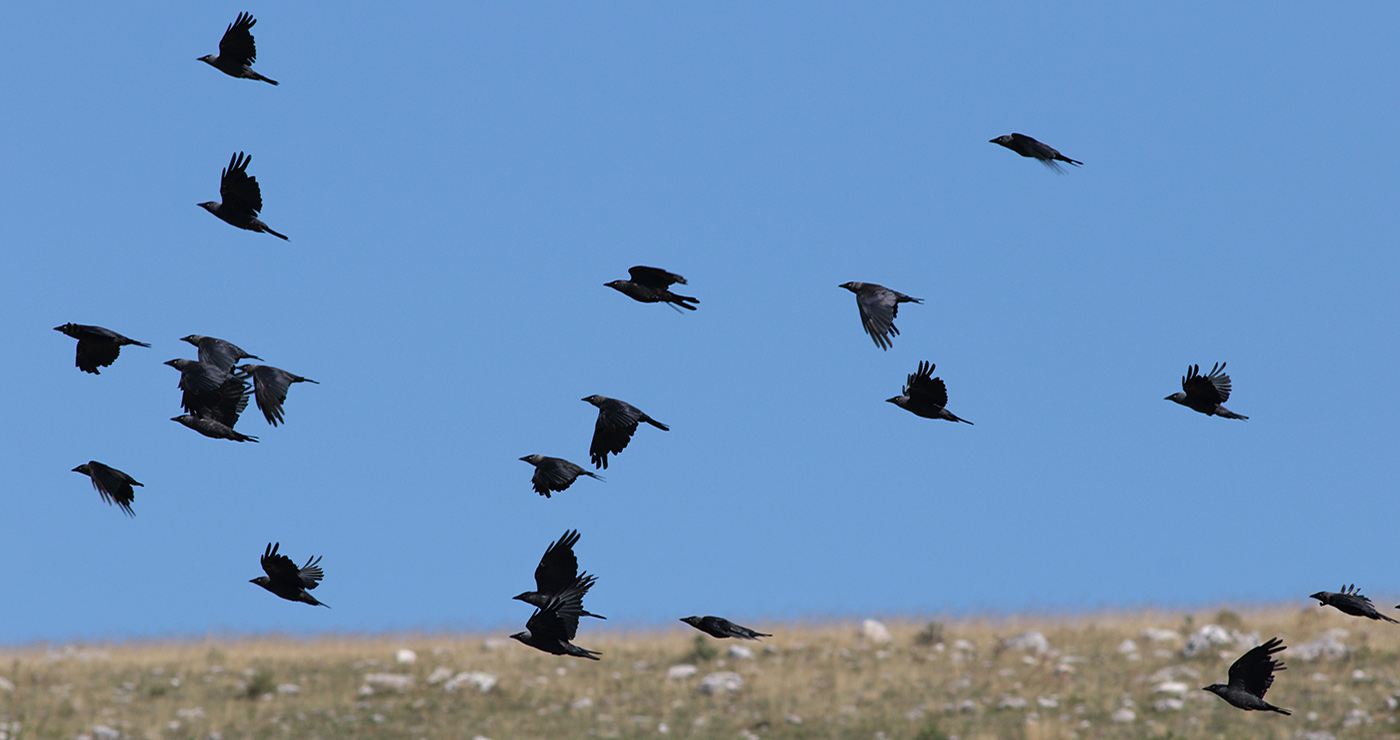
(553, 625)
(242, 197)
(114, 485)
(554, 474)
(617, 421)
(925, 395)
(1250, 677)
(878, 308)
(1350, 601)
(97, 346)
(288, 581)
(217, 352)
(556, 573)
(650, 285)
(212, 428)
(209, 392)
(1206, 393)
(270, 386)
(721, 627)
(1028, 147)
(237, 52)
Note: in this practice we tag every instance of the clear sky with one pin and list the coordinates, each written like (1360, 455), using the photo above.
(459, 180)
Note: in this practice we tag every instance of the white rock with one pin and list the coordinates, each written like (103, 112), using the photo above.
(1032, 640)
(439, 674)
(103, 732)
(1171, 687)
(1207, 636)
(1157, 635)
(739, 652)
(794, 719)
(964, 646)
(722, 682)
(1127, 646)
(190, 713)
(1327, 645)
(481, 680)
(1169, 705)
(683, 670)
(1012, 702)
(1356, 717)
(1123, 715)
(405, 656)
(1313, 735)
(6, 685)
(874, 633)
(1048, 702)
(288, 688)
(388, 682)
(583, 702)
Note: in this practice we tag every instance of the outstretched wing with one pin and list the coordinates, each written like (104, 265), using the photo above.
(654, 277)
(279, 568)
(311, 573)
(1212, 388)
(239, 191)
(878, 308)
(924, 388)
(559, 617)
(114, 485)
(1254, 671)
(237, 44)
(270, 389)
(558, 569)
(554, 474)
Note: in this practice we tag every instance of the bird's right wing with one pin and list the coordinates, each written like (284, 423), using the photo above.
(311, 573)
(1254, 671)
(558, 567)
(924, 387)
(279, 568)
(1201, 387)
(237, 44)
(240, 191)
(877, 312)
(654, 277)
(270, 389)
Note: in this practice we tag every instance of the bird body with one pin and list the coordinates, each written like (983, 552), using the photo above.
(878, 308)
(270, 386)
(652, 285)
(242, 197)
(114, 485)
(617, 422)
(288, 581)
(217, 352)
(212, 428)
(553, 625)
(1250, 677)
(554, 473)
(1206, 393)
(1028, 147)
(97, 346)
(722, 628)
(1350, 601)
(209, 392)
(556, 573)
(237, 52)
(925, 395)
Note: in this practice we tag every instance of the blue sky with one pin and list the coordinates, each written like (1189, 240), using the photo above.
(458, 182)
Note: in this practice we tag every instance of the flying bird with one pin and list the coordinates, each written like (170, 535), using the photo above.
(209, 392)
(288, 581)
(1250, 677)
(617, 421)
(237, 51)
(878, 307)
(651, 285)
(721, 627)
(1350, 601)
(553, 625)
(925, 395)
(217, 352)
(242, 197)
(97, 346)
(554, 474)
(114, 485)
(1028, 147)
(212, 428)
(556, 573)
(1205, 393)
(270, 386)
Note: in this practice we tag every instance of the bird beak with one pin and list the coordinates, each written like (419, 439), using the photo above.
(890, 400)
(1166, 398)
(523, 459)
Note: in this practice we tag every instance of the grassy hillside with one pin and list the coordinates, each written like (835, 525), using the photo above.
(964, 678)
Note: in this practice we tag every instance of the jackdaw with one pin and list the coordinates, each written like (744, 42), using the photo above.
(925, 395)
(212, 428)
(97, 346)
(270, 386)
(242, 197)
(237, 51)
(617, 421)
(114, 485)
(878, 307)
(650, 285)
(557, 571)
(288, 581)
(1205, 393)
(554, 474)
(1028, 147)
(217, 352)
(721, 627)
(1350, 601)
(553, 625)
(210, 392)
(1250, 677)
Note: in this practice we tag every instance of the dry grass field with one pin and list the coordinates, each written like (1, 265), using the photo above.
(964, 678)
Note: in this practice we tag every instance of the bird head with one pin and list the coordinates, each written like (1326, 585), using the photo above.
(209, 206)
(1214, 688)
(521, 636)
(68, 328)
(854, 287)
(594, 399)
(1178, 397)
(208, 58)
(1003, 140)
(1322, 597)
(84, 469)
(692, 621)
(532, 598)
(615, 284)
(532, 459)
(261, 581)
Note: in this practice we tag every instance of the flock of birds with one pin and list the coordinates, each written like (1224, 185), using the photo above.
(215, 392)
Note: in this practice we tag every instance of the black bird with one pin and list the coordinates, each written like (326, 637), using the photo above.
(650, 285)
(557, 572)
(237, 51)
(270, 386)
(617, 421)
(1205, 393)
(878, 307)
(1250, 677)
(288, 581)
(97, 346)
(721, 627)
(114, 485)
(554, 474)
(212, 428)
(925, 395)
(210, 392)
(553, 625)
(1028, 147)
(242, 197)
(1350, 601)
(217, 352)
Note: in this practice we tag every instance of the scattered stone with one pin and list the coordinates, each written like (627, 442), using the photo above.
(1356, 717)
(404, 656)
(683, 670)
(1012, 702)
(1032, 641)
(288, 688)
(1327, 645)
(583, 702)
(6, 685)
(1175, 672)
(1048, 702)
(739, 652)
(439, 674)
(1171, 687)
(1169, 705)
(103, 732)
(1123, 716)
(1158, 635)
(874, 633)
(482, 680)
(1313, 735)
(191, 713)
(1127, 646)
(377, 682)
(493, 643)
(793, 719)
(1206, 637)
(720, 683)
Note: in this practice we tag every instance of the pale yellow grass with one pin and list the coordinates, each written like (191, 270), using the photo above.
(809, 681)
